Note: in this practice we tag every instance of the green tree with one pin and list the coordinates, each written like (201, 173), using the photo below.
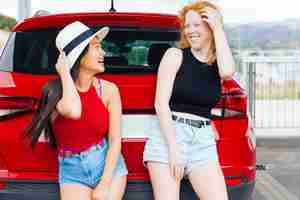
(7, 23)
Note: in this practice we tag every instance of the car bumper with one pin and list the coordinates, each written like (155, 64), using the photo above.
(134, 191)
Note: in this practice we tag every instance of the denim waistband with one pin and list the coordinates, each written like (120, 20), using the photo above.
(64, 153)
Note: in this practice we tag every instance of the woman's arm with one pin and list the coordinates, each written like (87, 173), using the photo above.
(168, 68)
(225, 59)
(114, 134)
(69, 105)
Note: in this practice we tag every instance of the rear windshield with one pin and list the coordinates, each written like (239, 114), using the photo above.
(127, 50)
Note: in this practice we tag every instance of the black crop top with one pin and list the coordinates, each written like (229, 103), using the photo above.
(197, 86)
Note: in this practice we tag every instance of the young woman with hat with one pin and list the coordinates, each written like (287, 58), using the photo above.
(78, 112)
(182, 140)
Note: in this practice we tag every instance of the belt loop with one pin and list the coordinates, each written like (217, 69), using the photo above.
(174, 118)
(202, 123)
(187, 121)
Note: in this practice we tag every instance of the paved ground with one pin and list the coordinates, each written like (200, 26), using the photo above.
(281, 179)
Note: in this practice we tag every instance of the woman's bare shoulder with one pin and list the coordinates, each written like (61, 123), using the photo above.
(174, 52)
(172, 57)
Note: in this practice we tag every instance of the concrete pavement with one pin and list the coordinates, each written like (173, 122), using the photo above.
(279, 151)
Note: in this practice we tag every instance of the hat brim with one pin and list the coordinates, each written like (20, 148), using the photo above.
(102, 33)
(75, 53)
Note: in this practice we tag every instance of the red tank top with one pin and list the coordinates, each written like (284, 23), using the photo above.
(80, 134)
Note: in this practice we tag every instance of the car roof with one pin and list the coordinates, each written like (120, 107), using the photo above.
(113, 19)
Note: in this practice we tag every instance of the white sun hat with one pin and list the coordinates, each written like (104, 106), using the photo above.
(74, 37)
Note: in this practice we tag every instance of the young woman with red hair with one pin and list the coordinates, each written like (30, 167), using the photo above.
(182, 142)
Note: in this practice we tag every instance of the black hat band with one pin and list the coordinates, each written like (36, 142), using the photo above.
(76, 41)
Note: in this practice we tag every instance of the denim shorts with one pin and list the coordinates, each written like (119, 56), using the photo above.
(87, 167)
(197, 146)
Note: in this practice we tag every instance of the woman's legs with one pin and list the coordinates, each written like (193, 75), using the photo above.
(208, 181)
(78, 191)
(165, 187)
(118, 187)
(75, 191)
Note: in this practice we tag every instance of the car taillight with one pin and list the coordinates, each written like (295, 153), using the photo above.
(231, 105)
(236, 102)
(6, 80)
(234, 99)
(13, 106)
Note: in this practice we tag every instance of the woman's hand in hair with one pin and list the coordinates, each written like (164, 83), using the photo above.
(226, 64)
(62, 65)
(213, 17)
(69, 105)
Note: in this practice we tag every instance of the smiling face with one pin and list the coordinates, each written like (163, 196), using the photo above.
(93, 60)
(197, 31)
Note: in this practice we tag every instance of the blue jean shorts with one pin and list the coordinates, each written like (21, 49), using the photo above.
(197, 146)
(87, 167)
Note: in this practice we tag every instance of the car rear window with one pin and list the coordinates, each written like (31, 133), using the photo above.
(127, 50)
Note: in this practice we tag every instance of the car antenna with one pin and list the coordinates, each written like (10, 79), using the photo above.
(112, 9)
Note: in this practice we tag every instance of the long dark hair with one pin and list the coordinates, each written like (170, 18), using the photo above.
(51, 94)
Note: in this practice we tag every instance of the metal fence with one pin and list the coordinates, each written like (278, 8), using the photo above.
(273, 86)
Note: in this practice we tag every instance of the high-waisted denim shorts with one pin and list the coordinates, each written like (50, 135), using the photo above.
(197, 146)
(87, 167)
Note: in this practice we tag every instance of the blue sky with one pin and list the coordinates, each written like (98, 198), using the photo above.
(234, 11)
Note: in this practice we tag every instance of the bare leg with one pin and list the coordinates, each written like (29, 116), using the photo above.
(75, 191)
(118, 187)
(208, 182)
(165, 187)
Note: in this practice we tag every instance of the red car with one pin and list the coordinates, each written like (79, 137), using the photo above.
(133, 48)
